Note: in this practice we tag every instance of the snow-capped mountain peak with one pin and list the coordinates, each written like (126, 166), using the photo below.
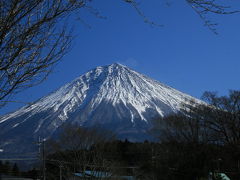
(113, 96)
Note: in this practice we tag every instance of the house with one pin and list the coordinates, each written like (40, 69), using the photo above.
(213, 176)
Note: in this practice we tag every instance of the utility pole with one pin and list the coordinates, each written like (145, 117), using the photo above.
(60, 171)
(44, 159)
(41, 144)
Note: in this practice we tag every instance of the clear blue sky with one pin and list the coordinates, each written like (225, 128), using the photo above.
(183, 54)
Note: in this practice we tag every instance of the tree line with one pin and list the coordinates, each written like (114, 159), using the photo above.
(9, 168)
(201, 139)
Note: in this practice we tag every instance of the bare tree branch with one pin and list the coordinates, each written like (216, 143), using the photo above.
(204, 7)
(33, 38)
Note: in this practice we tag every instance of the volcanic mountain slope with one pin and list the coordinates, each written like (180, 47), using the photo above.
(113, 97)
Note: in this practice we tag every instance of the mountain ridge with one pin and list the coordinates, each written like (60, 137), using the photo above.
(112, 96)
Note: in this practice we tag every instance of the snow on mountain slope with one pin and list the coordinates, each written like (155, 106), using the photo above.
(112, 96)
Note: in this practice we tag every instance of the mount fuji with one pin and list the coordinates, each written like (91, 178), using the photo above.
(113, 97)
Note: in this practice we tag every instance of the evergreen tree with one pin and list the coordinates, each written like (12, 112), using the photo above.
(1, 167)
(32, 174)
(6, 168)
(15, 170)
